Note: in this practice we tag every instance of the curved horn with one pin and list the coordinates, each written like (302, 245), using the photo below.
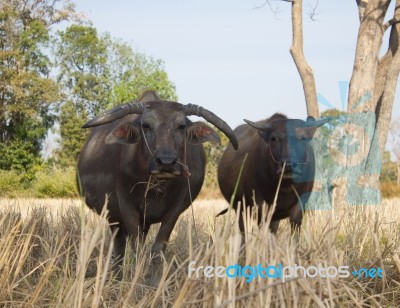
(191, 109)
(259, 126)
(115, 114)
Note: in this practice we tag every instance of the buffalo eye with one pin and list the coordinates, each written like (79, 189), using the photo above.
(273, 139)
(181, 127)
(147, 129)
(146, 126)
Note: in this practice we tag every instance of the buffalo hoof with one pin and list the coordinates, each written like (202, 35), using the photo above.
(154, 275)
(116, 267)
(273, 226)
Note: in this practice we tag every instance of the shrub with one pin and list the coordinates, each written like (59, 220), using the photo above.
(390, 190)
(10, 183)
(56, 183)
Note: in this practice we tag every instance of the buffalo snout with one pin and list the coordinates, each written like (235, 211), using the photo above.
(165, 165)
(167, 160)
(292, 168)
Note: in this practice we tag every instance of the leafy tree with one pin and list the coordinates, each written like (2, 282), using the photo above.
(27, 94)
(214, 152)
(73, 137)
(337, 118)
(82, 59)
(389, 169)
(98, 72)
(132, 73)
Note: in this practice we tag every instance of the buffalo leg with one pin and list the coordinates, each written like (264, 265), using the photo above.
(118, 249)
(241, 222)
(245, 209)
(295, 218)
(131, 228)
(135, 232)
(273, 226)
(159, 246)
(130, 217)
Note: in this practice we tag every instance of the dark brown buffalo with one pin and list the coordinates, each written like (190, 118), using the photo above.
(140, 157)
(269, 144)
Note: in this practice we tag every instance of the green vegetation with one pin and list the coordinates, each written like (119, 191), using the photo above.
(81, 56)
(55, 183)
(27, 94)
(47, 183)
(93, 72)
(388, 178)
(98, 72)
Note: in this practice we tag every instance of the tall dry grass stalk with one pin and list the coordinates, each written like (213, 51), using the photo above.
(58, 255)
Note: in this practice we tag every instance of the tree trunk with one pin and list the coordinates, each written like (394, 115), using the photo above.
(371, 96)
(386, 82)
(305, 71)
(366, 60)
(370, 102)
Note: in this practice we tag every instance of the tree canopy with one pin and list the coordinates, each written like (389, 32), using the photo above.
(92, 72)
(27, 93)
(96, 73)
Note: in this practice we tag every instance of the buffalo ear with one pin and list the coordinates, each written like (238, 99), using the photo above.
(259, 126)
(263, 129)
(125, 134)
(316, 123)
(311, 125)
(199, 132)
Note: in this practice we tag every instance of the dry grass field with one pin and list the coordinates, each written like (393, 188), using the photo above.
(56, 253)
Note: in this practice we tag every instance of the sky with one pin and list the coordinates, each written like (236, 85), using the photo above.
(233, 58)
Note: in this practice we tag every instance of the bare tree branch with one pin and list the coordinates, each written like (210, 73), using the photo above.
(313, 11)
(390, 23)
(297, 52)
(362, 5)
(268, 2)
(305, 71)
(275, 10)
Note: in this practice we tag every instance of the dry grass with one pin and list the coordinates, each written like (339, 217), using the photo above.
(56, 253)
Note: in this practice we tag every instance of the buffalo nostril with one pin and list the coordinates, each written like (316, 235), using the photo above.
(166, 160)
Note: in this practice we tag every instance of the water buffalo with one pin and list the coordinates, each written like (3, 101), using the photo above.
(270, 144)
(141, 156)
